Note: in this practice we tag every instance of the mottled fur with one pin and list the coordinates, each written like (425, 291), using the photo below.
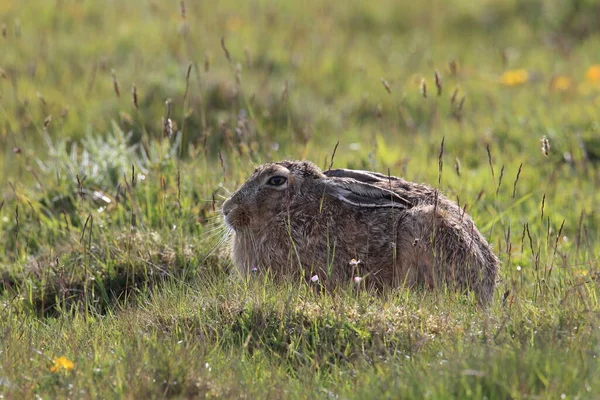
(403, 233)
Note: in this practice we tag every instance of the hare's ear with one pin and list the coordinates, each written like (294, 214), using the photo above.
(363, 194)
(359, 175)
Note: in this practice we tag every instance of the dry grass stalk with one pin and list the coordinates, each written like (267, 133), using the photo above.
(115, 83)
(80, 188)
(135, 96)
(179, 187)
(557, 239)
(500, 180)
(517, 180)
(453, 67)
(523, 238)
(386, 85)
(227, 54)
(182, 9)
(424, 88)
(187, 81)
(461, 103)
(222, 163)
(438, 82)
(333, 154)
(441, 161)
(453, 98)
(133, 180)
(530, 239)
(42, 99)
(489, 154)
(543, 205)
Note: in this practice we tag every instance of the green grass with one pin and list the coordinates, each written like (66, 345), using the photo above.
(110, 240)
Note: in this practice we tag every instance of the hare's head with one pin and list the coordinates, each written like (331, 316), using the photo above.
(268, 192)
(275, 188)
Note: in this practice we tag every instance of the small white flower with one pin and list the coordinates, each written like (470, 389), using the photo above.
(315, 278)
(354, 262)
(357, 279)
(254, 269)
(518, 268)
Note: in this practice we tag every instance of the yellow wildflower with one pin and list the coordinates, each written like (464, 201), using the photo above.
(593, 73)
(514, 77)
(561, 83)
(233, 23)
(62, 363)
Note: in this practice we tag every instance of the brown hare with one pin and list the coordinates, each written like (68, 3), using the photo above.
(292, 218)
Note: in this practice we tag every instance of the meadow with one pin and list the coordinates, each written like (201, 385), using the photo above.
(124, 126)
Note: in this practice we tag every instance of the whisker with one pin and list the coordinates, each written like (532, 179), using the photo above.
(217, 228)
(224, 188)
(214, 248)
(206, 200)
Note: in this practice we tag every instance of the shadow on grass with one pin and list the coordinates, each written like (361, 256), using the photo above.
(96, 279)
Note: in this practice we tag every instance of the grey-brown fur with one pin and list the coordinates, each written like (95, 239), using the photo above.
(403, 233)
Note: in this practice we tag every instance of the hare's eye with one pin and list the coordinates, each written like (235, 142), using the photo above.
(277, 180)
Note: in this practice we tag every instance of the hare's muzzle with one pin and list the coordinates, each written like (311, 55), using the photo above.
(227, 207)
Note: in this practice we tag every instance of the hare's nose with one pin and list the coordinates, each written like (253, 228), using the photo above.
(227, 206)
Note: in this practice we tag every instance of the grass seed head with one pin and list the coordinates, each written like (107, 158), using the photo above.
(453, 67)
(545, 145)
(386, 85)
(115, 83)
(227, 54)
(182, 9)
(461, 103)
(135, 97)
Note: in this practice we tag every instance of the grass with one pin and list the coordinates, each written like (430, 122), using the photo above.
(111, 253)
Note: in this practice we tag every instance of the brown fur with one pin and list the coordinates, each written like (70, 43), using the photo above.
(403, 233)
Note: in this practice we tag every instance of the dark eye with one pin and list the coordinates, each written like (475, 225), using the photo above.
(277, 180)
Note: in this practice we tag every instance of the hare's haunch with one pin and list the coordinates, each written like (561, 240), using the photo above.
(290, 217)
